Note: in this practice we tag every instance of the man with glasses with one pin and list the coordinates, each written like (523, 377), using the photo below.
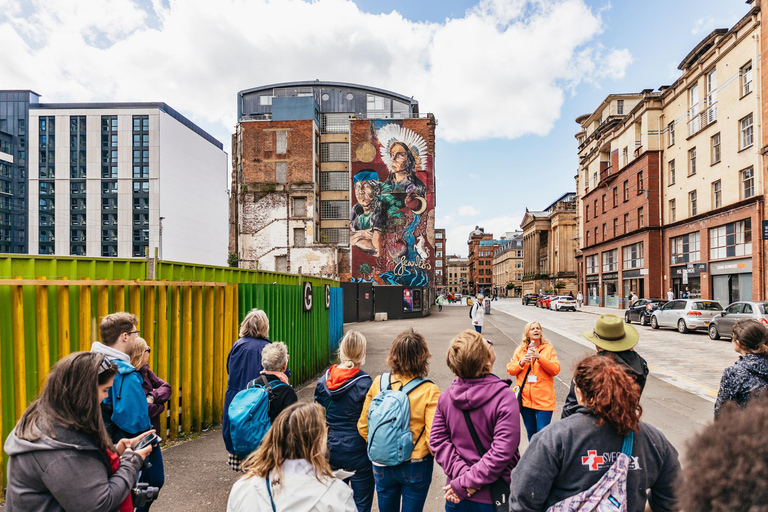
(125, 410)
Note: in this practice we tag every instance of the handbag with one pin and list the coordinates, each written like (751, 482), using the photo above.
(499, 489)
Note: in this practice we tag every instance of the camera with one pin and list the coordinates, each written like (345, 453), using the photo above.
(142, 494)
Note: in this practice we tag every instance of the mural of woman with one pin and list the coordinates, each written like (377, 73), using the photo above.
(368, 219)
(404, 152)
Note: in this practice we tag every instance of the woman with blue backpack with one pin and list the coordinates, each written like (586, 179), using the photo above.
(342, 392)
(602, 453)
(396, 422)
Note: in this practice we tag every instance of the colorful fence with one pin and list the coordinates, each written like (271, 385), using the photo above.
(190, 323)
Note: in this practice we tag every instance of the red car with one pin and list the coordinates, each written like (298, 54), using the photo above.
(543, 301)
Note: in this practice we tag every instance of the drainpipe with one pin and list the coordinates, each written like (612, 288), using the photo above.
(760, 159)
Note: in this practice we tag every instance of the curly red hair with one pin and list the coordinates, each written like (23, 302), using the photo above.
(610, 392)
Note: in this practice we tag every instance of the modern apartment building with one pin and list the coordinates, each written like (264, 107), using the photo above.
(334, 179)
(441, 261)
(111, 180)
(549, 247)
(508, 266)
(458, 275)
(671, 189)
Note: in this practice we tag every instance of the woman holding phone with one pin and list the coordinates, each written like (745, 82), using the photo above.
(535, 365)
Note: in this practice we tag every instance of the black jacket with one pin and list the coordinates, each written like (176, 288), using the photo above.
(283, 396)
(638, 368)
(570, 456)
(748, 375)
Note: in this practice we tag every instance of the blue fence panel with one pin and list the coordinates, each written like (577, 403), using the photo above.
(335, 321)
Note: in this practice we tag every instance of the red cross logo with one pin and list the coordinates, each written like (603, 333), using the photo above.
(592, 460)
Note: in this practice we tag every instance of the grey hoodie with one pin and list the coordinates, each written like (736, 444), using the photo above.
(67, 471)
(571, 455)
(747, 376)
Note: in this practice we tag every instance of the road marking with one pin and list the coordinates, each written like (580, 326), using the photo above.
(668, 376)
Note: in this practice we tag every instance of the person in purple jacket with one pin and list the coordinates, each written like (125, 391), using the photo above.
(157, 390)
(495, 415)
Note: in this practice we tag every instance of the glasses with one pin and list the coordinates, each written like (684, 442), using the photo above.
(134, 332)
(105, 365)
(149, 349)
(489, 342)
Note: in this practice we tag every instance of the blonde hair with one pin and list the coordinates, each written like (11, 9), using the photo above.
(274, 356)
(527, 330)
(138, 352)
(468, 355)
(352, 350)
(255, 325)
(298, 432)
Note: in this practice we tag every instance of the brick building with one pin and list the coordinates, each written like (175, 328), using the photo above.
(480, 262)
(441, 261)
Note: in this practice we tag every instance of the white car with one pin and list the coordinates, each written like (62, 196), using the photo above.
(562, 302)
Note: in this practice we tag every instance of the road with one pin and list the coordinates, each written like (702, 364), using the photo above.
(677, 397)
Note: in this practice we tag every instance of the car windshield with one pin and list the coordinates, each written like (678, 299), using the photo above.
(763, 308)
(707, 306)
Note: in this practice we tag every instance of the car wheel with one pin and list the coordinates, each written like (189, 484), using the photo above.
(626, 318)
(654, 322)
(643, 320)
(713, 334)
(681, 327)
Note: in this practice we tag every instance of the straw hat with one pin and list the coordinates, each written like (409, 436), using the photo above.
(612, 334)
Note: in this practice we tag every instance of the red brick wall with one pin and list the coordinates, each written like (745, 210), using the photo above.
(259, 155)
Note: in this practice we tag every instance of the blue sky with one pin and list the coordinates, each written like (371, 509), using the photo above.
(505, 78)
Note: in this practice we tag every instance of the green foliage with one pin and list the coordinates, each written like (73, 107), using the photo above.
(560, 285)
(232, 260)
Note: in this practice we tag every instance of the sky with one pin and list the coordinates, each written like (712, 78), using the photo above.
(505, 78)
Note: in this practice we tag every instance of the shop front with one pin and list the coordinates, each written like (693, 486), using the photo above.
(686, 280)
(593, 286)
(634, 281)
(731, 280)
(611, 289)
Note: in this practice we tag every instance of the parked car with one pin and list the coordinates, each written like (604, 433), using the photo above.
(723, 325)
(543, 301)
(642, 309)
(562, 303)
(686, 314)
(530, 298)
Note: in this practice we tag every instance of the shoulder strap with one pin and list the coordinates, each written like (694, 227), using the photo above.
(525, 379)
(385, 383)
(473, 433)
(413, 384)
(269, 491)
(626, 448)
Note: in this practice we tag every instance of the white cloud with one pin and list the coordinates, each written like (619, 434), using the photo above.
(499, 71)
(457, 233)
(468, 211)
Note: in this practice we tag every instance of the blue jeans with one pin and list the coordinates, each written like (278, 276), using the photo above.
(362, 484)
(479, 328)
(535, 420)
(468, 506)
(154, 476)
(409, 480)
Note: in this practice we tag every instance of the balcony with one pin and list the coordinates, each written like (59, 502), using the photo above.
(701, 120)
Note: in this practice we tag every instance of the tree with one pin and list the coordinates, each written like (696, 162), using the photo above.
(233, 260)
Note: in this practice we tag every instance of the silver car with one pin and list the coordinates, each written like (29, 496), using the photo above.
(723, 325)
(686, 314)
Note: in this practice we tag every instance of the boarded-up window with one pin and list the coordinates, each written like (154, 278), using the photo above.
(281, 263)
(281, 172)
(299, 237)
(299, 207)
(281, 142)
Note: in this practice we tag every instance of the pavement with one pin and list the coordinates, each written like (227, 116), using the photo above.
(685, 373)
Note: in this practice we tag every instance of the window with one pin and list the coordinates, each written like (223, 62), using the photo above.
(747, 183)
(596, 234)
(587, 239)
(625, 155)
(747, 135)
(691, 161)
(299, 237)
(140, 186)
(620, 107)
(671, 133)
(746, 79)
(439, 236)
(717, 194)
(715, 148)
(633, 256)
(281, 142)
(334, 152)
(336, 180)
(685, 248)
(438, 245)
(592, 264)
(281, 172)
(109, 187)
(595, 205)
(299, 206)
(672, 210)
(640, 183)
(615, 197)
(334, 210)
(615, 227)
(692, 203)
(694, 123)
(611, 260)
(640, 217)
(626, 223)
(626, 190)
(671, 172)
(605, 233)
(603, 203)
(711, 83)
(265, 100)
(734, 239)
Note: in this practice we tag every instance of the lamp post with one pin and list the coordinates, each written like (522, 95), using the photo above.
(160, 235)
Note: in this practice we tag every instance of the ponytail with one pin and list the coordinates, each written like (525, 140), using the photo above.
(610, 392)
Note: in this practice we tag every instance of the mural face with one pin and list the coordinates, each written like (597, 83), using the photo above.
(392, 218)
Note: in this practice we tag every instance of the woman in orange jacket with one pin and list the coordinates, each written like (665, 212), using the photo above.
(535, 365)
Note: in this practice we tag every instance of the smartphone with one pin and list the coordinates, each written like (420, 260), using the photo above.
(146, 441)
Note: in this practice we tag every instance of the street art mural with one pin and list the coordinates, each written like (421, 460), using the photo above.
(392, 216)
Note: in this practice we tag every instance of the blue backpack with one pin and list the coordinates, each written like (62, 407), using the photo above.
(390, 441)
(249, 416)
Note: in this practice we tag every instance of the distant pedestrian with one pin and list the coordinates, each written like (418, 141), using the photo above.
(570, 294)
(579, 299)
(480, 399)
(535, 365)
(408, 360)
(243, 365)
(632, 298)
(477, 313)
(440, 301)
(157, 390)
(580, 460)
(289, 471)
(749, 374)
(670, 295)
(342, 392)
